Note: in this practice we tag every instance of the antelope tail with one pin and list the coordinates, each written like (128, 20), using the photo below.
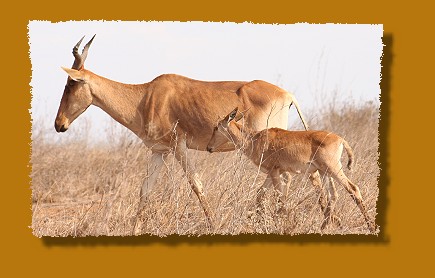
(299, 112)
(350, 154)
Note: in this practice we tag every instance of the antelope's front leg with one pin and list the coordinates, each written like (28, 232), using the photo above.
(193, 177)
(286, 180)
(153, 171)
(262, 190)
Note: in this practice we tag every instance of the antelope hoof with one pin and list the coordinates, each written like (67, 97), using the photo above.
(336, 221)
(372, 227)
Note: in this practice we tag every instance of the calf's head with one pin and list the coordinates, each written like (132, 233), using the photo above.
(222, 133)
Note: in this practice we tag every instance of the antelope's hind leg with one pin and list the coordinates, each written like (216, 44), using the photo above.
(332, 199)
(355, 193)
(324, 200)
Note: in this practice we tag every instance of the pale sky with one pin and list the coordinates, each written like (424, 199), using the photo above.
(309, 60)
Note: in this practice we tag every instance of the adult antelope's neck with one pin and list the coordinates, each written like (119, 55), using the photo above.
(121, 101)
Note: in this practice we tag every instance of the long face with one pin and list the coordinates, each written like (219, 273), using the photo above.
(220, 137)
(77, 95)
(76, 99)
(221, 134)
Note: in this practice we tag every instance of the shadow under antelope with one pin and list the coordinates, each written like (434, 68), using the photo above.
(276, 151)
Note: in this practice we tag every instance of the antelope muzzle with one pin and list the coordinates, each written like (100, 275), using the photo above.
(61, 124)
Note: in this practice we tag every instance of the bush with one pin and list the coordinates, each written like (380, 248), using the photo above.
(80, 189)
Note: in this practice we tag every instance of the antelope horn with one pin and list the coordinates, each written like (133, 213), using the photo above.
(86, 48)
(79, 60)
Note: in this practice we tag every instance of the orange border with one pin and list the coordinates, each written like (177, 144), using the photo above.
(404, 201)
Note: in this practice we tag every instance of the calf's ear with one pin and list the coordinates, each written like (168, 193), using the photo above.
(232, 115)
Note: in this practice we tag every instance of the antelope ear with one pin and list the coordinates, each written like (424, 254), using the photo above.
(76, 75)
(238, 117)
(232, 114)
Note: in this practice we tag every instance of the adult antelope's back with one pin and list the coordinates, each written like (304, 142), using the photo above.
(171, 105)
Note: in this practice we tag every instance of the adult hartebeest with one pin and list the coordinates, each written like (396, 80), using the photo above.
(172, 112)
(276, 151)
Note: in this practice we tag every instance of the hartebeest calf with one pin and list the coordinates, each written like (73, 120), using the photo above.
(277, 150)
(171, 113)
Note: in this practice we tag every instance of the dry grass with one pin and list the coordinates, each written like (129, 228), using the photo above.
(80, 189)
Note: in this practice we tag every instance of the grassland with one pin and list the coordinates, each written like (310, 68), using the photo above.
(85, 189)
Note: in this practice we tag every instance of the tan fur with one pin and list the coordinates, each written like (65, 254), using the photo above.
(152, 109)
(277, 150)
(172, 112)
